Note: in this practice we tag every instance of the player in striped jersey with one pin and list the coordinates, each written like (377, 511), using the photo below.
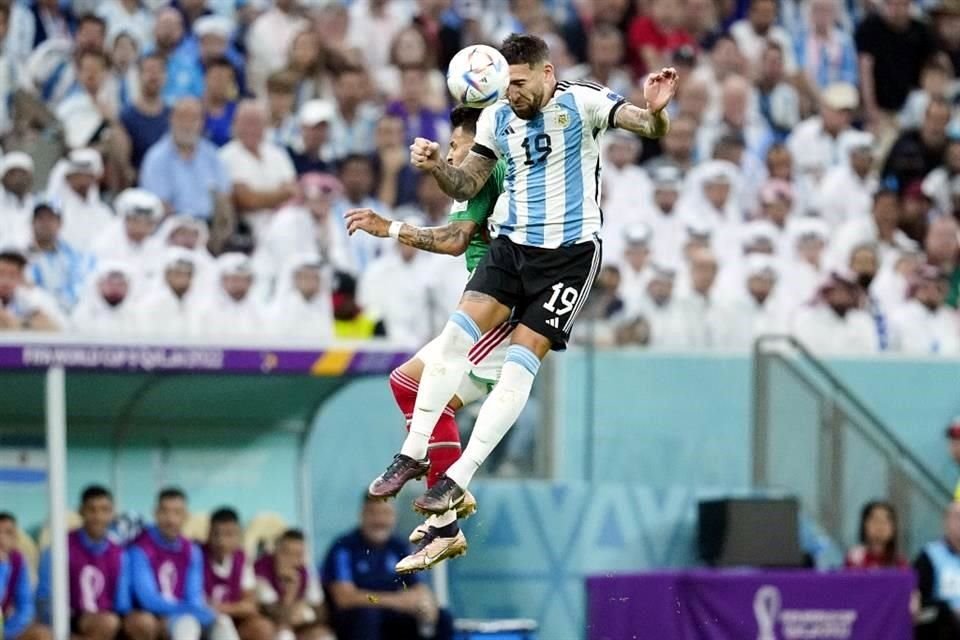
(544, 255)
(465, 234)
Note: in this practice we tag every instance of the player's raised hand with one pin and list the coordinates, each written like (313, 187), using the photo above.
(660, 88)
(425, 154)
(367, 220)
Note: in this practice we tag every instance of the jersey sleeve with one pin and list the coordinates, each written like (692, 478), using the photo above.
(599, 104)
(485, 141)
(479, 208)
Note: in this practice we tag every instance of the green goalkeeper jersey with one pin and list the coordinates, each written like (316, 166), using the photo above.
(477, 210)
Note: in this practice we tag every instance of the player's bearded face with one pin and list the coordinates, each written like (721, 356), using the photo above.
(527, 87)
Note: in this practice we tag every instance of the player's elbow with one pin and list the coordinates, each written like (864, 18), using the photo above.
(458, 247)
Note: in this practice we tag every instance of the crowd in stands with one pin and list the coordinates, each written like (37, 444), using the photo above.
(181, 168)
(147, 582)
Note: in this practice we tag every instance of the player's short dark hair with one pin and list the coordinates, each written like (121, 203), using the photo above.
(6, 516)
(91, 17)
(291, 535)
(523, 48)
(465, 117)
(171, 493)
(224, 515)
(94, 491)
(13, 257)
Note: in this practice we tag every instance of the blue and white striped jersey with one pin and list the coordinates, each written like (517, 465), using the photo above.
(552, 184)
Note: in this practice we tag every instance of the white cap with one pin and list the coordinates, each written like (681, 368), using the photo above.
(715, 171)
(213, 25)
(809, 227)
(139, 202)
(313, 112)
(639, 233)
(840, 95)
(759, 230)
(855, 140)
(663, 271)
(667, 177)
(173, 256)
(758, 264)
(235, 263)
(16, 160)
(85, 161)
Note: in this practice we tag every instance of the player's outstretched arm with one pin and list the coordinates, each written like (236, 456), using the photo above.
(450, 239)
(652, 122)
(460, 183)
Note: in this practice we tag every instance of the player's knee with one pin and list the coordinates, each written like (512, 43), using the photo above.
(141, 625)
(412, 368)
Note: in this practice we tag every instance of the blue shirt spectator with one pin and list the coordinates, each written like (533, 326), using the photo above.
(183, 169)
(55, 266)
(360, 568)
(148, 118)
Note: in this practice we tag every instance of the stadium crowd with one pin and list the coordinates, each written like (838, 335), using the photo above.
(179, 169)
(182, 577)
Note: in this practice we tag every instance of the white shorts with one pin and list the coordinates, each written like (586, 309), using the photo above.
(486, 357)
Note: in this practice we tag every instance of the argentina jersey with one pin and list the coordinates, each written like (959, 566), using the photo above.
(552, 185)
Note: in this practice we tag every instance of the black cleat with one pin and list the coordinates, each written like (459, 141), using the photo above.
(402, 470)
(440, 498)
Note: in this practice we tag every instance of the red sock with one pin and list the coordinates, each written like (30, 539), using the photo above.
(444, 447)
(446, 434)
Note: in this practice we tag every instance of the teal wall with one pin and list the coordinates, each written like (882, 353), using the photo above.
(667, 430)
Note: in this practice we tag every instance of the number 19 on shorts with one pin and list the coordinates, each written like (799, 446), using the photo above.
(566, 296)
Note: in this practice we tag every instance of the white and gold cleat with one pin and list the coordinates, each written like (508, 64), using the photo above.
(432, 551)
(466, 508)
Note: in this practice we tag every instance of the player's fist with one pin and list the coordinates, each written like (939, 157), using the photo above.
(660, 88)
(424, 154)
(367, 220)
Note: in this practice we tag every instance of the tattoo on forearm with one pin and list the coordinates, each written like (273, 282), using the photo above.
(643, 122)
(465, 181)
(450, 239)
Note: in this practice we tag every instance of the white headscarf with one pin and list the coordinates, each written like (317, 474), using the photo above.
(290, 315)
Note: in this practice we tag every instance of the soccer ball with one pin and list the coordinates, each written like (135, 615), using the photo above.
(478, 76)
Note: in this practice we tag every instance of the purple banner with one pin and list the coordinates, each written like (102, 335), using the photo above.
(751, 605)
(164, 358)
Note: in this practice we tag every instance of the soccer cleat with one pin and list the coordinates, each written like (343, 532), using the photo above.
(402, 470)
(467, 508)
(440, 498)
(432, 551)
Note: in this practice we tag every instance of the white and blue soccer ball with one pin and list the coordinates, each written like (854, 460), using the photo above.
(478, 76)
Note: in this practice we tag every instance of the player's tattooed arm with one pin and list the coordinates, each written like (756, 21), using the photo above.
(642, 122)
(451, 239)
(465, 181)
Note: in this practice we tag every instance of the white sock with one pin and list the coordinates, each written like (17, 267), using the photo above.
(440, 379)
(498, 413)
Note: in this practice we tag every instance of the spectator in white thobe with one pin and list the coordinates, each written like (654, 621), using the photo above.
(834, 323)
(881, 227)
(398, 289)
(128, 238)
(671, 324)
(634, 268)
(230, 311)
(105, 307)
(16, 198)
(924, 325)
(168, 309)
(846, 191)
(815, 143)
(302, 307)
(752, 311)
(669, 229)
(73, 183)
